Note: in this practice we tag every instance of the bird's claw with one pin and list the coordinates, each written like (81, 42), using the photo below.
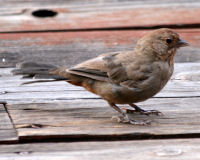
(126, 119)
(141, 123)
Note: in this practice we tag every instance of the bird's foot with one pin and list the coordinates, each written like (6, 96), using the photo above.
(124, 118)
(142, 111)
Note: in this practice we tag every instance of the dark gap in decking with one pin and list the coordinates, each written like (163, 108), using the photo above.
(99, 138)
(173, 26)
(9, 142)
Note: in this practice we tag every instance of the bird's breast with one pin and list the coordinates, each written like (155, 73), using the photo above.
(118, 94)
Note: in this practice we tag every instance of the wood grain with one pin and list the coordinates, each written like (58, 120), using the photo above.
(184, 83)
(89, 118)
(102, 14)
(59, 113)
(180, 149)
(85, 115)
(78, 5)
(7, 132)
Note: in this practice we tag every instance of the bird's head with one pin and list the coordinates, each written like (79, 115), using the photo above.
(162, 42)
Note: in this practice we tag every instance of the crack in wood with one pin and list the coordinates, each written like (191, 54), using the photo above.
(10, 117)
(172, 26)
(8, 134)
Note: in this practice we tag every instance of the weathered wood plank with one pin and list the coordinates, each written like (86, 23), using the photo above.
(82, 114)
(184, 83)
(78, 5)
(7, 132)
(180, 149)
(44, 93)
(86, 115)
(8, 136)
(97, 15)
(70, 48)
(4, 121)
(90, 118)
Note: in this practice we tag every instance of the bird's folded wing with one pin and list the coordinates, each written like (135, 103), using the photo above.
(105, 68)
(90, 73)
(94, 68)
(101, 68)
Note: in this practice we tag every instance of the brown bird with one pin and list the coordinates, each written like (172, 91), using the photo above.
(124, 77)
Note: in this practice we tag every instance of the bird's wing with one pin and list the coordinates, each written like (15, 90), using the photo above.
(112, 67)
(95, 68)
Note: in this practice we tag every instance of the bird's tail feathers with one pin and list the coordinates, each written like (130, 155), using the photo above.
(42, 81)
(37, 71)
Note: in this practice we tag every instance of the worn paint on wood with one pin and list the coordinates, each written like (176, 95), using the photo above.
(118, 15)
(70, 48)
(84, 116)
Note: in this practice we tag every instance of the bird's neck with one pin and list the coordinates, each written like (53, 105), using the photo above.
(168, 57)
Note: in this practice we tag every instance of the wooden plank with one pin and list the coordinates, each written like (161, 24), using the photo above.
(92, 118)
(62, 92)
(78, 5)
(8, 136)
(7, 133)
(97, 15)
(180, 149)
(184, 83)
(82, 114)
(70, 48)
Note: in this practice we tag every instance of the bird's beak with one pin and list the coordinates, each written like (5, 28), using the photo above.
(182, 43)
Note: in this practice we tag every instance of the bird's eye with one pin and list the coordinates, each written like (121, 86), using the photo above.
(168, 40)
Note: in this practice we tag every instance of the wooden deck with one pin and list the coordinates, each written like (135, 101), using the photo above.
(60, 121)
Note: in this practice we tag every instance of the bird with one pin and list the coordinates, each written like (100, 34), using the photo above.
(124, 77)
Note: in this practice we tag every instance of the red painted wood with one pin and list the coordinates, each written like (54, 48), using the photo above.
(108, 38)
(70, 48)
(22, 20)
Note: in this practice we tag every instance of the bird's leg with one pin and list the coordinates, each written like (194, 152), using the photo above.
(116, 108)
(125, 118)
(142, 111)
